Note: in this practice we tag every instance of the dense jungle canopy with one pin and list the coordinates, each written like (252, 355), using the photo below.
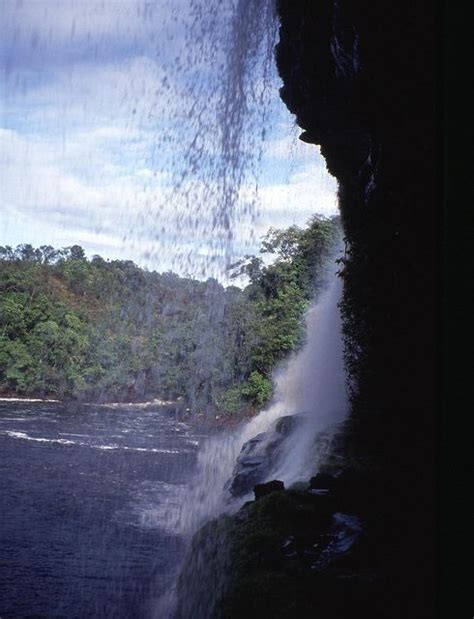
(95, 329)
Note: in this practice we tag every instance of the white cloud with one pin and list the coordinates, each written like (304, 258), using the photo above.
(124, 209)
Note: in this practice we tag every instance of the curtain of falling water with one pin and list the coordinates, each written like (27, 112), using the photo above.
(215, 98)
(141, 124)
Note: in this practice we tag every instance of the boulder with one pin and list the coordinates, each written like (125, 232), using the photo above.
(259, 455)
(285, 425)
(251, 467)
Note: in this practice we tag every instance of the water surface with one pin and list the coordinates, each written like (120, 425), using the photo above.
(87, 495)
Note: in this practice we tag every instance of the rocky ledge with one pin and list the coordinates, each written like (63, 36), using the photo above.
(289, 552)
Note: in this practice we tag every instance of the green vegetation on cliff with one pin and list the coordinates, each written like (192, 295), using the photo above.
(79, 328)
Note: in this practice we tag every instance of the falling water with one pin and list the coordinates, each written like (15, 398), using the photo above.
(218, 91)
(311, 383)
(210, 88)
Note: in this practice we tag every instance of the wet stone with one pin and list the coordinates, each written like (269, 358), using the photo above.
(259, 456)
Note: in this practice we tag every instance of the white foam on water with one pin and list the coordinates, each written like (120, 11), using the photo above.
(27, 437)
(104, 447)
(41, 400)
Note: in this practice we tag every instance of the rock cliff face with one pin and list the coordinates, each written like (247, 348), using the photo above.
(360, 78)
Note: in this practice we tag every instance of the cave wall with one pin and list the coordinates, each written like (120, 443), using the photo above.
(360, 78)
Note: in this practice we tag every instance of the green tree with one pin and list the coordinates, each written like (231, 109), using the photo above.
(79, 328)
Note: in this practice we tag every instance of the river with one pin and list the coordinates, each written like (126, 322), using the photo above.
(87, 493)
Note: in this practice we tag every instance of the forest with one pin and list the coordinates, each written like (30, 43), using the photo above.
(105, 330)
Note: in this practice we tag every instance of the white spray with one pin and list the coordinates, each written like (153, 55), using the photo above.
(313, 383)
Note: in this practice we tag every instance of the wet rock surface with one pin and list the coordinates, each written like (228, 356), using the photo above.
(259, 455)
(360, 77)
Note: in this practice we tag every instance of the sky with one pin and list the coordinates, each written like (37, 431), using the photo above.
(101, 105)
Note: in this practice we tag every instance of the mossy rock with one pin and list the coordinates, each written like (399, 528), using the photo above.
(256, 563)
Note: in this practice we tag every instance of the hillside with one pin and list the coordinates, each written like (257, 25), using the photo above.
(95, 329)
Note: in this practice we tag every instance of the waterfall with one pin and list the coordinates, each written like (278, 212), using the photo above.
(311, 384)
